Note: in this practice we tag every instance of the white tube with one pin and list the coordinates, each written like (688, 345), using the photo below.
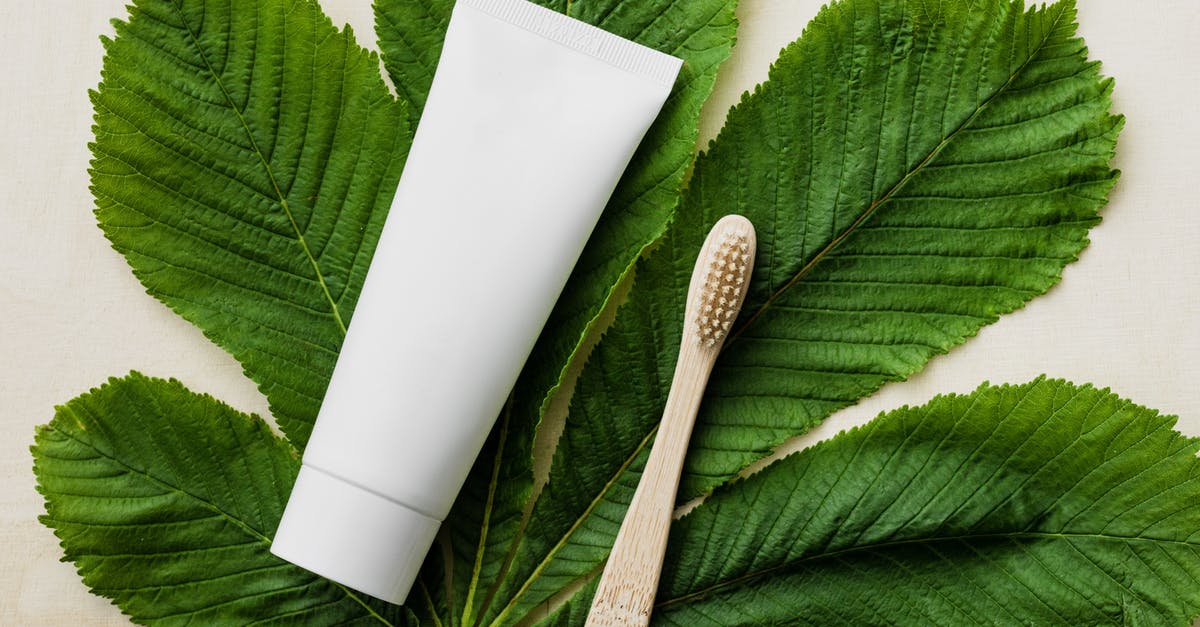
(530, 121)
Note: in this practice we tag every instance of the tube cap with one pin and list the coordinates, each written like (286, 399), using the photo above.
(352, 536)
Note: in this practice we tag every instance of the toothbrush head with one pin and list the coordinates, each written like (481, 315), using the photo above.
(720, 280)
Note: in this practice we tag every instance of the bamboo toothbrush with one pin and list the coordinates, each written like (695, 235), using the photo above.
(718, 288)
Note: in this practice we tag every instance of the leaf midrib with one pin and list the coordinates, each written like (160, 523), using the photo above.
(485, 525)
(871, 209)
(575, 525)
(883, 199)
(216, 509)
(283, 202)
(881, 546)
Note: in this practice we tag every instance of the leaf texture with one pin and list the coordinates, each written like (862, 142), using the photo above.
(166, 501)
(244, 160)
(487, 519)
(410, 38)
(914, 170)
(1045, 503)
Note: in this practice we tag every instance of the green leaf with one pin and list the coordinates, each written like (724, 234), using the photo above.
(245, 156)
(1045, 503)
(410, 38)
(487, 519)
(576, 608)
(166, 501)
(914, 169)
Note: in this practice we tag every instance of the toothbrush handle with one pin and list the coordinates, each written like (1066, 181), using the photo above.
(625, 595)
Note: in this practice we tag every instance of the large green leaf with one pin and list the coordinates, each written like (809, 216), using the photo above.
(245, 156)
(487, 519)
(914, 169)
(1040, 504)
(166, 501)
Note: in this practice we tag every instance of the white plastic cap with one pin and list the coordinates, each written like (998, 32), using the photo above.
(352, 536)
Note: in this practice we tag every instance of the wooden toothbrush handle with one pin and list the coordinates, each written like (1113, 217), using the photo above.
(626, 592)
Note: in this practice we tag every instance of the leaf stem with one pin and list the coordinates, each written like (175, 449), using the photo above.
(485, 526)
(574, 526)
(429, 602)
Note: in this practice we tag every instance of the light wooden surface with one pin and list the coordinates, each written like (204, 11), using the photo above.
(73, 314)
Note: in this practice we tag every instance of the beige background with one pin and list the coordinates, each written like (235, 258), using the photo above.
(72, 313)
